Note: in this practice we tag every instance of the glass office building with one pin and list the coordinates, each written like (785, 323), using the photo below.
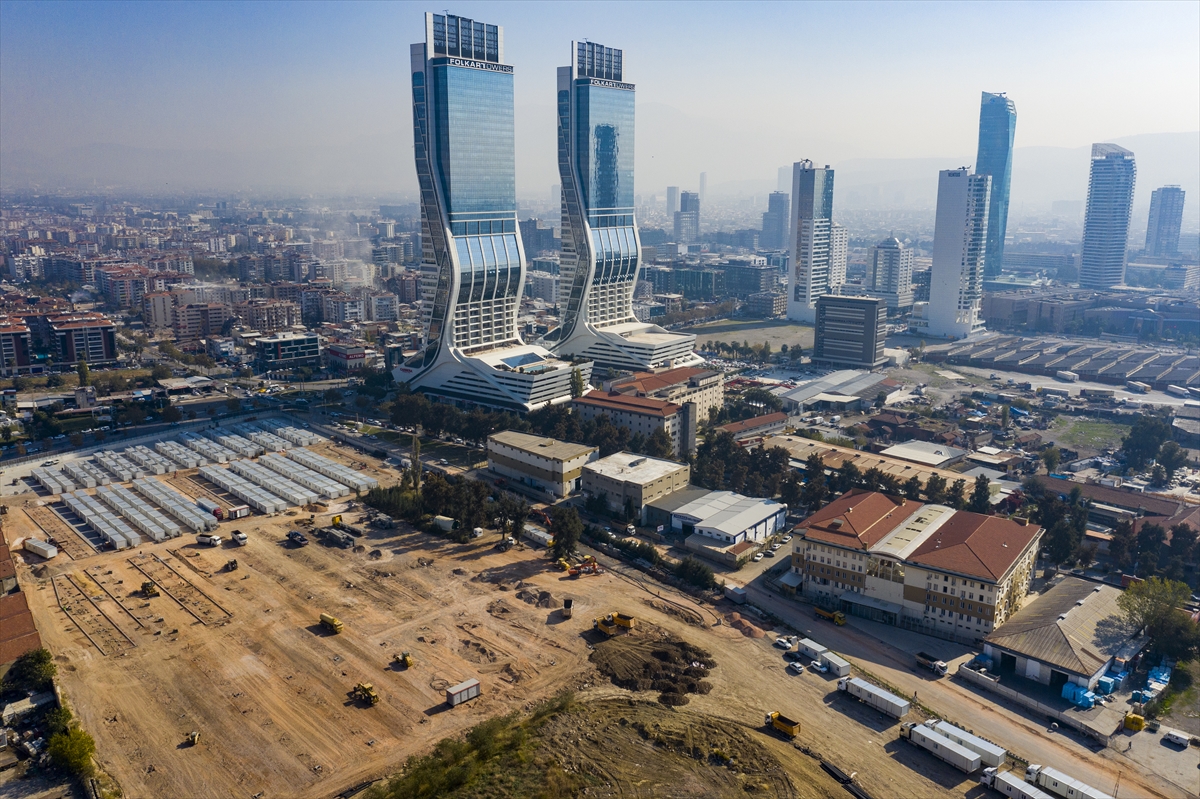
(472, 265)
(997, 127)
(601, 250)
(811, 247)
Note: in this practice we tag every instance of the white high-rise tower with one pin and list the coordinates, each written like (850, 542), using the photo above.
(1106, 224)
(811, 246)
(959, 245)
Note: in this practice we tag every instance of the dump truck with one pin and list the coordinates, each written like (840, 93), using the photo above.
(782, 723)
(989, 753)
(365, 692)
(331, 623)
(877, 698)
(1010, 785)
(149, 589)
(835, 616)
(464, 691)
(1058, 783)
(567, 608)
(941, 747)
(927, 660)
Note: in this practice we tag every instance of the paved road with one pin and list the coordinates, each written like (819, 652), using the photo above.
(1013, 730)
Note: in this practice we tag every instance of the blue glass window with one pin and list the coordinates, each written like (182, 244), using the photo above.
(475, 144)
(604, 146)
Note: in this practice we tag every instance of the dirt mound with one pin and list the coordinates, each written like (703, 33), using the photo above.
(655, 662)
(746, 628)
(686, 615)
(499, 608)
(476, 652)
(542, 599)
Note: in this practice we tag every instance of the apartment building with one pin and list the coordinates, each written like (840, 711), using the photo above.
(287, 350)
(624, 478)
(83, 336)
(923, 566)
(267, 315)
(158, 310)
(197, 320)
(643, 415)
(14, 347)
(685, 384)
(546, 464)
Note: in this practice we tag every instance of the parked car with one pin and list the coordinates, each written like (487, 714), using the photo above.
(818, 666)
(757, 557)
(796, 667)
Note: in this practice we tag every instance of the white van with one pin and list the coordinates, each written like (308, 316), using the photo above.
(1177, 738)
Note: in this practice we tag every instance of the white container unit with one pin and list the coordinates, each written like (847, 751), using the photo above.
(87, 474)
(53, 481)
(456, 695)
(332, 469)
(1009, 784)
(175, 505)
(989, 753)
(101, 519)
(279, 486)
(811, 648)
(242, 446)
(180, 454)
(212, 451)
(150, 460)
(40, 548)
(875, 697)
(1061, 784)
(306, 477)
(144, 516)
(244, 490)
(836, 665)
(941, 747)
(295, 435)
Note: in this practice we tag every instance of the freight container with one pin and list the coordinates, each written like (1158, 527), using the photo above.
(877, 698)
(835, 664)
(1060, 784)
(811, 648)
(238, 512)
(735, 594)
(40, 548)
(1010, 785)
(209, 506)
(941, 747)
(462, 692)
(1178, 391)
(1067, 377)
(989, 753)
(1137, 387)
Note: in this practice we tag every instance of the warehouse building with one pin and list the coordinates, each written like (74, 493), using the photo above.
(545, 464)
(628, 480)
(1071, 633)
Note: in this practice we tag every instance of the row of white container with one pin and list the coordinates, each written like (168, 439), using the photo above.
(119, 466)
(175, 504)
(87, 474)
(242, 446)
(294, 493)
(257, 498)
(290, 433)
(268, 441)
(180, 454)
(306, 477)
(332, 469)
(215, 453)
(102, 520)
(150, 460)
(53, 480)
(138, 513)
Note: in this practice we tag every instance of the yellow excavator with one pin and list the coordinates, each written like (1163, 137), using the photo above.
(403, 661)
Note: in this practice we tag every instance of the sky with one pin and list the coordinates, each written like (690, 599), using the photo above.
(315, 96)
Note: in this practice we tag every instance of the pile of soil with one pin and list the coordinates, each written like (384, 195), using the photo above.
(747, 629)
(652, 661)
(542, 599)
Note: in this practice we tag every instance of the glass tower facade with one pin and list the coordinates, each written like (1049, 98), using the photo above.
(1166, 218)
(997, 128)
(600, 244)
(811, 245)
(472, 265)
(1106, 223)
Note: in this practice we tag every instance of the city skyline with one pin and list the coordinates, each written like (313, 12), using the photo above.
(322, 153)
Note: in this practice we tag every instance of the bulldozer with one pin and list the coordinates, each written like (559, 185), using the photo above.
(403, 661)
(365, 692)
(149, 589)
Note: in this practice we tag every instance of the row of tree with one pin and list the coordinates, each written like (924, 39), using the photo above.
(817, 488)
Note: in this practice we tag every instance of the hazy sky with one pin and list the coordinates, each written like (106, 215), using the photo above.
(321, 91)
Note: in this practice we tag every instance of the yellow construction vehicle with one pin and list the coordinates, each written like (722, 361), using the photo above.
(563, 564)
(193, 738)
(782, 723)
(365, 692)
(149, 589)
(331, 623)
(835, 616)
(404, 660)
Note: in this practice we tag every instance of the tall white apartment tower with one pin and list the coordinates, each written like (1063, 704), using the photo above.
(811, 246)
(839, 254)
(1106, 224)
(959, 246)
(601, 250)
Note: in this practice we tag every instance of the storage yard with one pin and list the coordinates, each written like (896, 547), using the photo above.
(166, 636)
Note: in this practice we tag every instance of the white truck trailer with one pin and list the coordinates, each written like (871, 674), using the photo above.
(1059, 784)
(877, 698)
(941, 747)
(989, 753)
(837, 665)
(1010, 785)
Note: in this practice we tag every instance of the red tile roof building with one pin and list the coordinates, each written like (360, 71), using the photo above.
(642, 415)
(928, 567)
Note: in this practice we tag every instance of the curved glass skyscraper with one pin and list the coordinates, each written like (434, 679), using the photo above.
(472, 266)
(997, 129)
(600, 245)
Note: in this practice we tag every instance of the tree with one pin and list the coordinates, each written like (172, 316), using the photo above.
(693, 571)
(659, 444)
(880, 399)
(332, 395)
(416, 465)
(577, 385)
(1172, 458)
(33, 671)
(566, 527)
(1004, 417)
(233, 405)
(73, 750)
(956, 497)
(1145, 439)
(1149, 602)
(85, 374)
(160, 371)
(171, 414)
(1060, 542)
(1183, 542)
(981, 496)
(791, 491)
(1123, 546)
(912, 488)
(1051, 457)
(1158, 476)
(935, 489)
(53, 381)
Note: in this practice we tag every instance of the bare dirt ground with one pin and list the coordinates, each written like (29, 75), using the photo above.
(240, 657)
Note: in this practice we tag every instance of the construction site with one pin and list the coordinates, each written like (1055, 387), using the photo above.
(280, 661)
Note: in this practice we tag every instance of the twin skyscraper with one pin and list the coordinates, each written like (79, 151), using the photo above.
(473, 260)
